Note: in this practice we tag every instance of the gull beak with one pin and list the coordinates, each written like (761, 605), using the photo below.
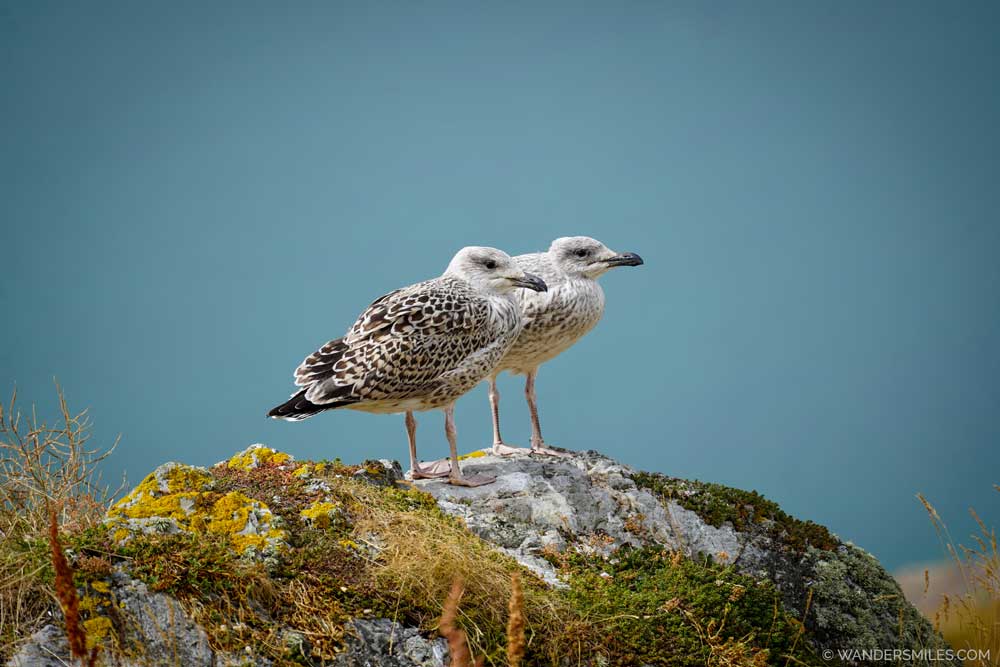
(532, 282)
(624, 259)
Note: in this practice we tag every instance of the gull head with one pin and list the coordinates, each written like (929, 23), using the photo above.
(582, 256)
(491, 270)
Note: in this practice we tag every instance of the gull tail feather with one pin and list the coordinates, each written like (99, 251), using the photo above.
(298, 407)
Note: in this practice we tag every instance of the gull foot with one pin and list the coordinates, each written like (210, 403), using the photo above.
(548, 451)
(433, 470)
(471, 480)
(501, 449)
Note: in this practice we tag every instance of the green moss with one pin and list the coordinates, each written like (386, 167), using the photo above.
(654, 607)
(745, 510)
(854, 596)
(187, 564)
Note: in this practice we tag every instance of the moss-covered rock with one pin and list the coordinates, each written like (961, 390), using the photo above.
(258, 455)
(589, 504)
(618, 568)
(178, 498)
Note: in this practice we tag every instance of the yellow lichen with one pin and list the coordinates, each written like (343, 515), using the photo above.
(169, 506)
(320, 513)
(473, 455)
(180, 497)
(88, 603)
(303, 470)
(258, 455)
(186, 478)
(161, 491)
(231, 516)
(98, 629)
(101, 587)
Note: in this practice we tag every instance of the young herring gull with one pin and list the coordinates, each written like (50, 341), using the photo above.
(420, 348)
(555, 320)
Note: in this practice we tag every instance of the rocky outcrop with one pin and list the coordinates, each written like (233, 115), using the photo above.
(385, 643)
(589, 502)
(269, 512)
(154, 626)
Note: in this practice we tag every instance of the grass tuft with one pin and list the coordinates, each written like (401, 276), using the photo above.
(971, 618)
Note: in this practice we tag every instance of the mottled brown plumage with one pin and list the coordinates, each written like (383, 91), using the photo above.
(419, 347)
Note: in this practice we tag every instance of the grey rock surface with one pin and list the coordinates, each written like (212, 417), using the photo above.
(154, 626)
(589, 502)
(385, 643)
(158, 626)
(45, 648)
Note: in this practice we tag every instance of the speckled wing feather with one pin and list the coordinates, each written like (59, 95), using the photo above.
(400, 346)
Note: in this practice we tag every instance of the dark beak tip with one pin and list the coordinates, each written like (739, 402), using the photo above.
(532, 282)
(627, 259)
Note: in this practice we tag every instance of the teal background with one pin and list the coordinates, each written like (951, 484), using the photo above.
(196, 195)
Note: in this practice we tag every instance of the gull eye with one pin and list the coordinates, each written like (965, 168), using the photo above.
(582, 252)
(490, 264)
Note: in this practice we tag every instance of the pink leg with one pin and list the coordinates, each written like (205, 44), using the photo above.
(435, 469)
(456, 476)
(499, 447)
(537, 443)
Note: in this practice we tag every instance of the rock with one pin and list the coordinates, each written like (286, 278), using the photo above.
(382, 472)
(158, 625)
(257, 455)
(154, 627)
(385, 643)
(176, 498)
(45, 648)
(591, 503)
(538, 508)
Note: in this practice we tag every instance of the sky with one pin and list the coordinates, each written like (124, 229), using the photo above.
(194, 196)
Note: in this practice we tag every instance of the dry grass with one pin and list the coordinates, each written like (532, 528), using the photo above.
(420, 555)
(42, 468)
(971, 620)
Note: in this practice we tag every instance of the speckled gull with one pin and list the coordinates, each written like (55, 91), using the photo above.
(420, 348)
(555, 320)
